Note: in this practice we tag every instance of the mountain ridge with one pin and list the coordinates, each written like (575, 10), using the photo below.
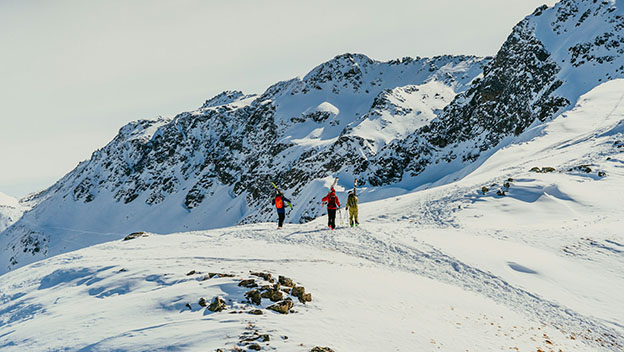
(396, 126)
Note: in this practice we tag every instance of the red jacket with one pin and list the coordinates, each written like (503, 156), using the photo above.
(331, 205)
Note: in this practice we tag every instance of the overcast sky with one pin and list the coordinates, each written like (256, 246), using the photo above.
(73, 72)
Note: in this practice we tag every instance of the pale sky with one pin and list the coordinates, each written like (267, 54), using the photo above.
(73, 72)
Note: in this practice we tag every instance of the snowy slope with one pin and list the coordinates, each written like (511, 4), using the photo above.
(212, 167)
(450, 267)
(10, 211)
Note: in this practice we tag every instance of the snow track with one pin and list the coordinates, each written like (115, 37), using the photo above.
(373, 243)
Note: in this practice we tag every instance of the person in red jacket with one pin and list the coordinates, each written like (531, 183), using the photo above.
(331, 199)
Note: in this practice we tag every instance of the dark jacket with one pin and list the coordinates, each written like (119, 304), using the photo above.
(285, 202)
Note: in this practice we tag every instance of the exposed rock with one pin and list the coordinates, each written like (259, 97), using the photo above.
(192, 272)
(135, 235)
(602, 174)
(484, 190)
(256, 312)
(500, 192)
(510, 180)
(299, 292)
(581, 168)
(286, 290)
(282, 307)
(217, 305)
(286, 281)
(535, 169)
(506, 185)
(546, 169)
(266, 276)
(321, 349)
(202, 302)
(273, 294)
(254, 346)
(254, 297)
(249, 283)
(211, 275)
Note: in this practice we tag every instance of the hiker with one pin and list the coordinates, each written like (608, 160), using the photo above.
(279, 201)
(332, 204)
(352, 207)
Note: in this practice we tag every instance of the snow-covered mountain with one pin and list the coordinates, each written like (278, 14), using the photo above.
(397, 126)
(10, 210)
(212, 167)
(455, 267)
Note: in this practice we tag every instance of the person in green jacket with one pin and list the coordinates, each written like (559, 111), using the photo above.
(352, 206)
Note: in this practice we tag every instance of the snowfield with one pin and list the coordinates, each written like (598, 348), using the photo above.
(452, 266)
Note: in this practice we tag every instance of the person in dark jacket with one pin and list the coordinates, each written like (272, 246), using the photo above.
(331, 199)
(280, 204)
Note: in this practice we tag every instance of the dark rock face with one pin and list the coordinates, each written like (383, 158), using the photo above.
(518, 85)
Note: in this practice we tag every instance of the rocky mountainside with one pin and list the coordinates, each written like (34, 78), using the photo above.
(396, 126)
(212, 167)
(550, 59)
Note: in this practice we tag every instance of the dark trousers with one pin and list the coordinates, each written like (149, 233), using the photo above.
(280, 219)
(331, 218)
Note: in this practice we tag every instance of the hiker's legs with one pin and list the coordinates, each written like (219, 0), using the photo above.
(331, 215)
(281, 217)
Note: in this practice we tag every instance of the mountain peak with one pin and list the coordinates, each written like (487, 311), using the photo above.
(225, 97)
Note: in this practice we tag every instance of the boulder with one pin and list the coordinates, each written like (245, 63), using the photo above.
(256, 312)
(254, 346)
(546, 169)
(286, 281)
(192, 272)
(254, 296)
(273, 295)
(282, 307)
(266, 276)
(602, 174)
(211, 275)
(202, 302)
(321, 349)
(217, 305)
(249, 283)
(299, 292)
(535, 169)
(484, 189)
(500, 192)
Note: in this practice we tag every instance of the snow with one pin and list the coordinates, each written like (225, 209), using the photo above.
(10, 210)
(445, 267)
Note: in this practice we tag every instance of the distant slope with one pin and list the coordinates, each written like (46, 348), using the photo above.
(10, 211)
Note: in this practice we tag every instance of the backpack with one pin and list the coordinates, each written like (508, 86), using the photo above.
(331, 201)
(278, 202)
(352, 201)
